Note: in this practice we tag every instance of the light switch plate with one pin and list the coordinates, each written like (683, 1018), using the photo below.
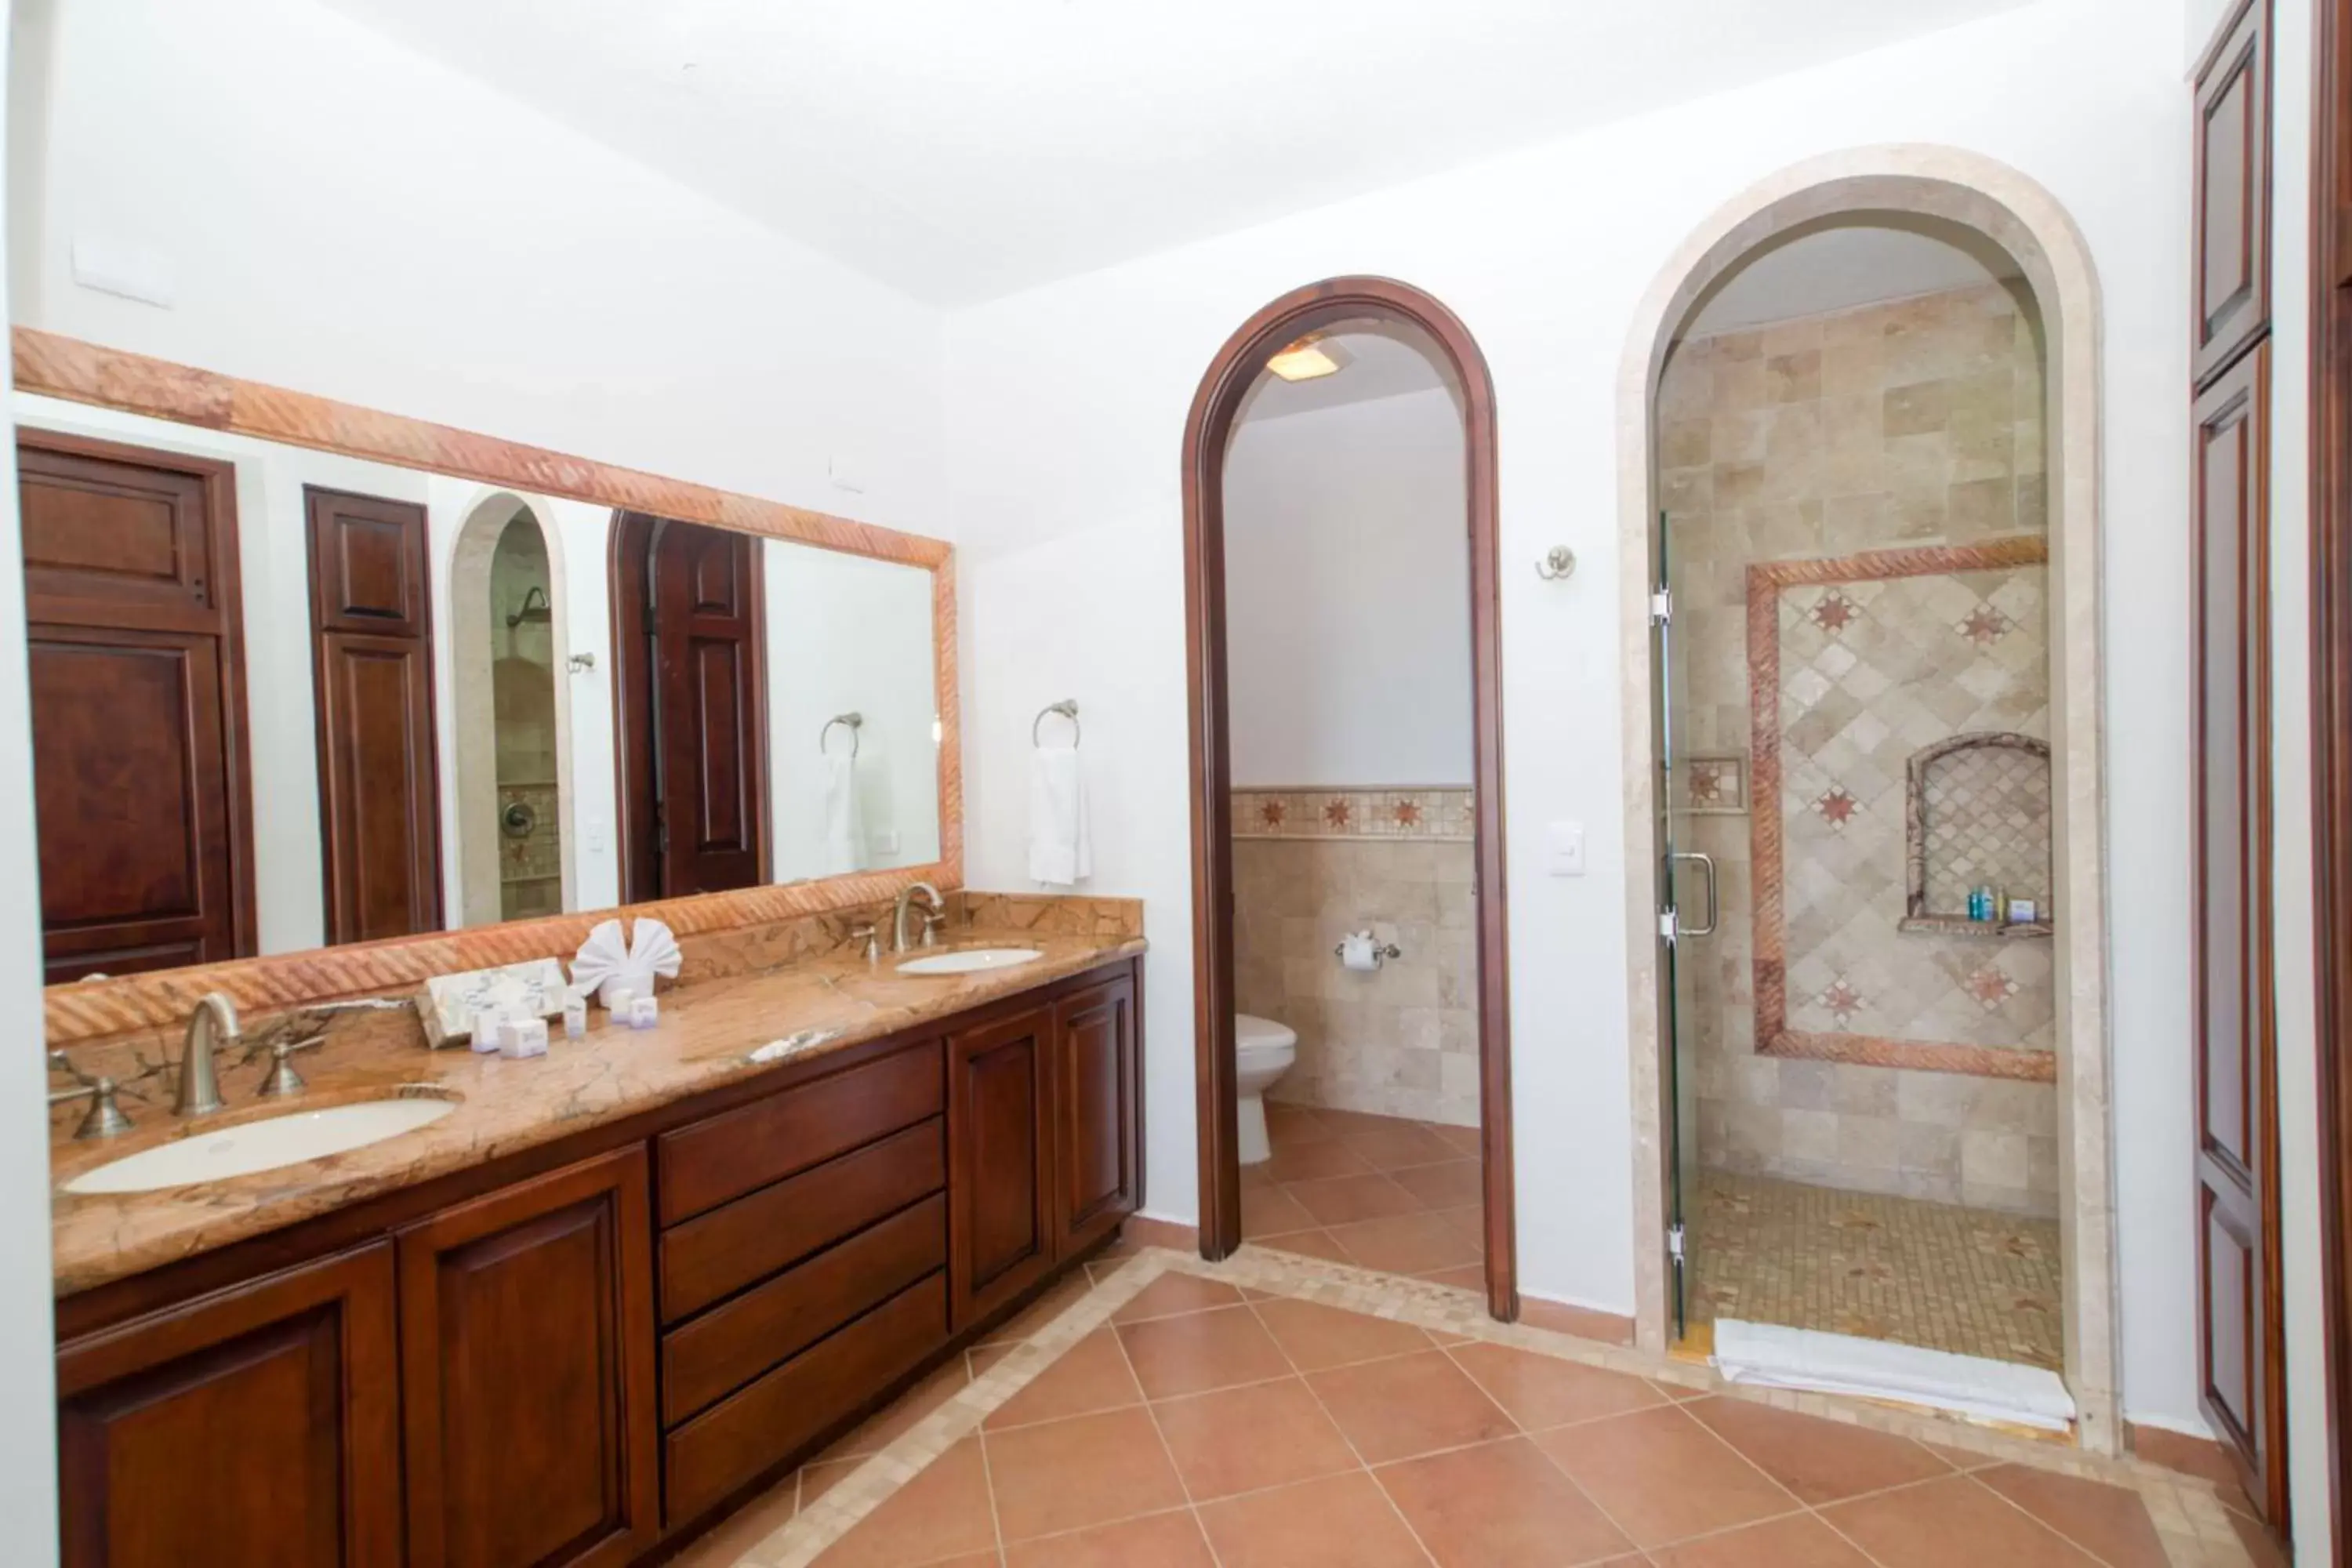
(1566, 841)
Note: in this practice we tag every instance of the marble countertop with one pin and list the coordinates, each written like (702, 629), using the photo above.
(703, 1042)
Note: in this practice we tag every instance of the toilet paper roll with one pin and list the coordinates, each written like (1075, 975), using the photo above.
(1359, 951)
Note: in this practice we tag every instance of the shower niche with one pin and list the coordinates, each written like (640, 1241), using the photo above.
(1976, 813)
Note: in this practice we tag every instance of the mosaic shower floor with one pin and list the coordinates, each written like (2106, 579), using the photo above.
(1972, 1281)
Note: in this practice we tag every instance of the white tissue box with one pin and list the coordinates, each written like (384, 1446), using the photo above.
(521, 1037)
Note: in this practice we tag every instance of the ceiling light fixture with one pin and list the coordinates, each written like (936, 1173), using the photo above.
(1307, 359)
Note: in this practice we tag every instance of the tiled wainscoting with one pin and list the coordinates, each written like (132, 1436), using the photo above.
(1309, 868)
(1278, 1412)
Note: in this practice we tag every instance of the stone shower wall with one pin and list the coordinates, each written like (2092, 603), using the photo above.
(1894, 426)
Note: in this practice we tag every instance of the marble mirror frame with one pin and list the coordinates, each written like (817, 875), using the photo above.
(67, 368)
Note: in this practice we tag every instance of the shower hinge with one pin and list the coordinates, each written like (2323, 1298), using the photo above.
(1662, 605)
(1666, 924)
(1674, 1242)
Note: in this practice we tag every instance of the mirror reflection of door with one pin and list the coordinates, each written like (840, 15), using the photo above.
(522, 699)
(134, 652)
(692, 751)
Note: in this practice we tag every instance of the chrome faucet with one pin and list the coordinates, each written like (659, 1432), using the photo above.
(212, 1025)
(931, 922)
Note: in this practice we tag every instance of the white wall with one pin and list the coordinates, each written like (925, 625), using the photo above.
(1073, 573)
(28, 1430)
(846, 634)
(1348, 596)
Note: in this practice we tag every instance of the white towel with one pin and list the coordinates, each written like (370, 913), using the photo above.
(1060, 849)
(844, 819)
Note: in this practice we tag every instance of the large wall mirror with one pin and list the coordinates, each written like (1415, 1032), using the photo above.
(286, 698)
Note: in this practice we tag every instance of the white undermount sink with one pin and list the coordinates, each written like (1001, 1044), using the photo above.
(970, 960)
(264, 1144)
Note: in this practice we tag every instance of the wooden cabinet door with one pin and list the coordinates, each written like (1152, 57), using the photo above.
(371, 659)
(1000, 1162)
(1097, 1157)
(134, 653)
(258, 1425)
(527, 1347)
(2242, 1347)
(2230, 261)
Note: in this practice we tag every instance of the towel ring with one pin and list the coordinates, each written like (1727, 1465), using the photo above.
(1068, 709)
(855, 722)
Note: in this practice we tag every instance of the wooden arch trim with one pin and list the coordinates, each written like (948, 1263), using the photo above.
(1208, 431)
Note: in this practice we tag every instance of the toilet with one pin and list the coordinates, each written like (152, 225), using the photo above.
(1263, 1052)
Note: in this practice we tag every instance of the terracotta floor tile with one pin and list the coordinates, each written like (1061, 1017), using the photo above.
(1057, 1299)
(1412, 1405)
(1541, 1391)
(1664, 1477)
(1172, 1294)
(1244, 1439)
(2261, 1547)
(1950, 1523)
(1316, 1336)
(1202, 1351)
(1819, 1461)
(886, 1426)
(1341, 1521)
(1396, 1148)
(1088, 1471)
(1090, 1375)
(1470, 1277)
(723, 1544)
(816, 1479)
(1500, 1505)
(1799, 1541)
(1159, 1541)
(1344, 1200)
(1405, 1244)
(1470, 1140)
(1288, 1124)
(941, 1512)
(981, 1358)
(1314, 1161)
(1959, 1458)
(2109, 1522)
(1455, 1183)
(1271, 1210)
(1358, 1120)
(1469, 1221)
(1307, 1243)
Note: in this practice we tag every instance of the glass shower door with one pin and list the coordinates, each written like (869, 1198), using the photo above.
(1669, 684)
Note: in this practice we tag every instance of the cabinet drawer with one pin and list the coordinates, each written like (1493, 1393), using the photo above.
(717, 1254)
(731, 1344)
(705, 1164)
(751, 1430)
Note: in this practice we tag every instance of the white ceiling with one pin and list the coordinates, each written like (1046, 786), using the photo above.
(1383, 360)
(1842, 266)
(964, 149)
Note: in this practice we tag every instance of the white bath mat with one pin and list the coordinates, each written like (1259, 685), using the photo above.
(1774, 1357)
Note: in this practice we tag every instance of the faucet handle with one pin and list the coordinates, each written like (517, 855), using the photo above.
(281, 1078)
(871, 935)
(105, 1119)
(931, 924)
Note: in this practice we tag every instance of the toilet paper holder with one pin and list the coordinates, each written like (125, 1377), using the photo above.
(1381, 952)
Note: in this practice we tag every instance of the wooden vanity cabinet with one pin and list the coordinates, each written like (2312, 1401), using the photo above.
(258, 1425)
(1097, 1120)
(527, 1354)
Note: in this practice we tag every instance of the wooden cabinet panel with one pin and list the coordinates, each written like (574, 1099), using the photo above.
(258, 1425)
(711, 1162)
(749, 1432)
(134, 646)
(526, 1340)
(2230, 256)
(721, 1252)
(1000, 1167)
(733, 1343)
(372, 661)
(1098, 1153)
(2241, 1353)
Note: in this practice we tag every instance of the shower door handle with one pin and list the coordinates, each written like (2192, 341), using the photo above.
(1708, 862)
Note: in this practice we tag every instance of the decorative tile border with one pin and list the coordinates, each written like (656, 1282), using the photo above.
(2191, 1519)
(1712, 786)
(1428, 815)
(89, 373)
(1773, 1036)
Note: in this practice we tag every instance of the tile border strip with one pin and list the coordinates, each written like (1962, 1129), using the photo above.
(1765, 580)
(1439, 814)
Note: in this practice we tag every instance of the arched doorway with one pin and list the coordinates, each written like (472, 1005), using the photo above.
(511, 716)
(2026, 224)
(1208, 431)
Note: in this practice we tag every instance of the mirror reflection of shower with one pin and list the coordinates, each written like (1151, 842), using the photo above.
(523, 687)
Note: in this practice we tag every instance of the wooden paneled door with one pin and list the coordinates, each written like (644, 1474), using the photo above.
(1000, 1236)
(527, 1351)
(1098, 1147)
(2229, 265)
(134, 642)
(690, 723)
(2241, 1359)
(372, 664)
(258, 1425)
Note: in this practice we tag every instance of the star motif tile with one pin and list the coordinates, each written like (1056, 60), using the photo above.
(1985, 625)
(1406, 812)
(1834, 613)
(1837, 807)
(1338, 812)
(1843, 1001)
(1990, 985)
(1271, 813)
